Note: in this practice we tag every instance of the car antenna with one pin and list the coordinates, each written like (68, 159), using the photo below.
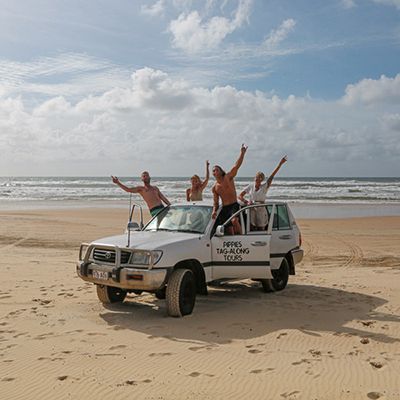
(131, 209)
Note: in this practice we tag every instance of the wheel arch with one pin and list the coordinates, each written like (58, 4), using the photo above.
(198, 271)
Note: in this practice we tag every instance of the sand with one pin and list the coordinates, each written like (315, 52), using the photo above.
(333, 333)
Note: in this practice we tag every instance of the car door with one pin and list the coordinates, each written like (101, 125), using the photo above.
(283, 238)
(244, 255)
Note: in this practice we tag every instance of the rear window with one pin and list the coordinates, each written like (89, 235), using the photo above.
(281, 218)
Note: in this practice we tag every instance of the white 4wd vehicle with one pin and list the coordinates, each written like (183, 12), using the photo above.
(181, 250)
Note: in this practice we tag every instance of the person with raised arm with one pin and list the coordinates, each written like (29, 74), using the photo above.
(150, 194)
(195, 192)
(257, 192)
(224, 189)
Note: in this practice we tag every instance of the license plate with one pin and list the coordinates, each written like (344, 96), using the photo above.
(101, 275)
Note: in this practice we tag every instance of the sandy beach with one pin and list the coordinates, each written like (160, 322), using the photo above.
(333, 333)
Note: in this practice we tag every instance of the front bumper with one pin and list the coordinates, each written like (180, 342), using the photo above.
(297, 255)
(124, 278)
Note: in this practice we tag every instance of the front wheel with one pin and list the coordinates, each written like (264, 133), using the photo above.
(110, 294)
(280, 278)
(181, 293)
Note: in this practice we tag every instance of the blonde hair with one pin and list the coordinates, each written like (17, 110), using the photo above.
(195, 177)
(261, 175)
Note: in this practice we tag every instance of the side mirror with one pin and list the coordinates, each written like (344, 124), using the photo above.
(133, 226)
(220, 231)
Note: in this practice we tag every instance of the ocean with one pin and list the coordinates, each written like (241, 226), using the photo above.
(381, 195)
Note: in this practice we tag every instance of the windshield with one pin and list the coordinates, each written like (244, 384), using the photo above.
(192, 219)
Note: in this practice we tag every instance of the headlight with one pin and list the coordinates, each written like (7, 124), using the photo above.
(140, 257)
(82, 251)
(144, 257)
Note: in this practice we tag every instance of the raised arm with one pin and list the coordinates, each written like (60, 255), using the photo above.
(205, 182)
(275, 171)
(241, 197)
(233, 172)
(163, 198)
(215, 203)
(134, 189)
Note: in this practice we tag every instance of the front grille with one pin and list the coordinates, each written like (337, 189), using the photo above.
(108, 256)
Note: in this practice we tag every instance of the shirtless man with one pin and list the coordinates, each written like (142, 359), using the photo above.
(224, 188)
(151, 194)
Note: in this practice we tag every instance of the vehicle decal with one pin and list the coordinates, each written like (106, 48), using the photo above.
(233, 250)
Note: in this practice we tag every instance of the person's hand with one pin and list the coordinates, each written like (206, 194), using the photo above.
(283, 160)
(214, 215)
(244, 148)
(115, 179)
(207, 164)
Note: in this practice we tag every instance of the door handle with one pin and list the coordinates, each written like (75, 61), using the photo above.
(258, 243)
(285, 237)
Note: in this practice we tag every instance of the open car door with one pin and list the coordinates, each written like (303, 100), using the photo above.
(244, 255)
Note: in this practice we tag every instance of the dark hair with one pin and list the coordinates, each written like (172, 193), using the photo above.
(223, 173)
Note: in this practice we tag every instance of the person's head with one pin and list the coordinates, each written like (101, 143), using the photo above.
(218, 172)
(259, 178)
(145, 176)
(195, 180)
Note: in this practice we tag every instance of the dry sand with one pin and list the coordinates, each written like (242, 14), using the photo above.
(333, 333)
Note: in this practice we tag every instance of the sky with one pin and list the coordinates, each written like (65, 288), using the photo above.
(97, 88)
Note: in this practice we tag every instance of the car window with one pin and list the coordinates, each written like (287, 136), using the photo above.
(281, 217)
(257, 219)
(192, 219)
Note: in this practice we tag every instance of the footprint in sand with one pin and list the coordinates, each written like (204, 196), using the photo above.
(118, 346)
(281, 334)
(376, 364)
(374, 395)
(255, 351)
(8, 379)
(134, 383)
(197, 348)
(259, 371)
(196, 374)
(291, 395)
(62, 377)
(160, 354)
(367, 323)
(315, 353)
(96, 334)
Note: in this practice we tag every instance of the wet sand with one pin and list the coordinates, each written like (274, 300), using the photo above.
(333, 333)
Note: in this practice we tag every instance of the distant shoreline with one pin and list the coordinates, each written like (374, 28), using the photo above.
(304, 210)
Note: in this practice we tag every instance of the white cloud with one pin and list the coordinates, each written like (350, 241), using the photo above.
(79, 73)
(153, 10)
(395, 3)
(370, 91)
(278, 35)
(193, 34)
(348, 4)
(169, 126)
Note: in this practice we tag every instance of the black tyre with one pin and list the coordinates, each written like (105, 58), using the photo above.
(110, 294)
(161, 294)
(280, 278)
(181, 293)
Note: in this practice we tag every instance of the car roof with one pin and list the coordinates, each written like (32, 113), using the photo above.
(210, 204)
(193, 203)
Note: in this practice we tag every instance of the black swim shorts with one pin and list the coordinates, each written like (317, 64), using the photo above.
(226, 212)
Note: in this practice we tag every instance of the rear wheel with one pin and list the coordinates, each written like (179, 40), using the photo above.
(280, 278)
(110, 294)
(181, 293)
